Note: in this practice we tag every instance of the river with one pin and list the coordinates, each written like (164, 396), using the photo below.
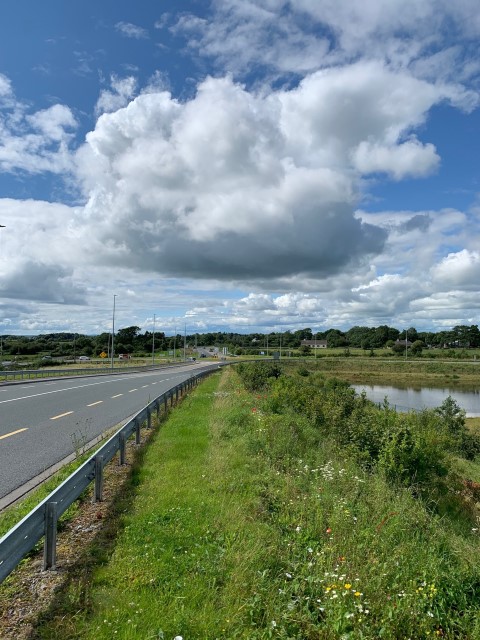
(423, 398)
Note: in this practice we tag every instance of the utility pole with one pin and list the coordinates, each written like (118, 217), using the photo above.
(175, 344)
(153, 341)
(405, 344)
(113, 331)
(185, 344)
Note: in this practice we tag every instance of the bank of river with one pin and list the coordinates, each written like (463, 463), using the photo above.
(408, 398)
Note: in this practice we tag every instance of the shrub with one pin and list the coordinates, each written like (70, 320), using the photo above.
(255, 375)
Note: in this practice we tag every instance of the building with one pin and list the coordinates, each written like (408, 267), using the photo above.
(314, 344)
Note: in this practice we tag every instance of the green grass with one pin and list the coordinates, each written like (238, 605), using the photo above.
(395, 371)
(246, 524)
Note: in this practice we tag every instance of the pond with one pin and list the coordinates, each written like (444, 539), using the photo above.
(406, 399)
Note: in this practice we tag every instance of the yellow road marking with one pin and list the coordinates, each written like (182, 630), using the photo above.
(61, 415)
(118, 395)
(12, 433)
(94, 403)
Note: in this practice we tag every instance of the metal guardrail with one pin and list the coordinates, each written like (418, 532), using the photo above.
(28, 374)
(42, 520)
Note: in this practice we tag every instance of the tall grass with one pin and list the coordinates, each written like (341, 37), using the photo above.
(252, 521)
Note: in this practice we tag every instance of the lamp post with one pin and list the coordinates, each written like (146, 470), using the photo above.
(405, 344)
(113, 331)
(185, 344)
(153, 341)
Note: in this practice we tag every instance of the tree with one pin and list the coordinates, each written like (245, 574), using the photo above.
(417, 348)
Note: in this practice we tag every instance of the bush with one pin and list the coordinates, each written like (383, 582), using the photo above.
(255, 375)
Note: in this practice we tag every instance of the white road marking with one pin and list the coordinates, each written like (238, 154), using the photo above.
(118, 395)
(12, 433)
(94, 403)
(132, 390)
(61, 415)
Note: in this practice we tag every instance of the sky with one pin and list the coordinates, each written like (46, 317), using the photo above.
(239, 165)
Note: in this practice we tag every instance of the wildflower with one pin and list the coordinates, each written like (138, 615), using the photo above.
(329, 530)
(273, 624)
(289, 575)
(357, 594)
(298, 529)
(348, 586)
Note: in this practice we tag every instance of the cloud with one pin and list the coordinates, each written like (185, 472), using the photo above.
(35, 142)
(408, 159)
(306, 35)
(48, 283)
(122, 90)
(130, 30)
(458, 271)
(254, 187)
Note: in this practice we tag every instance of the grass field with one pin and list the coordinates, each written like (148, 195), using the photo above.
(246, 522)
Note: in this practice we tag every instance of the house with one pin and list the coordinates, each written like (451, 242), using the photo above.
(314, 344)
(401, 343)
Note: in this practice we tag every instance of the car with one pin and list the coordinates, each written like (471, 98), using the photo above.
(83, 358)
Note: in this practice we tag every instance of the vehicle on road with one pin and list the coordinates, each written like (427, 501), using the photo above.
(83, 358)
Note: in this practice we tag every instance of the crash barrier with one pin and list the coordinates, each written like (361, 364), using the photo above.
(42, 520)
(30, 374)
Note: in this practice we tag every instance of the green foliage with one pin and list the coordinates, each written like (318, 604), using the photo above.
(452, 419)
(255, 375)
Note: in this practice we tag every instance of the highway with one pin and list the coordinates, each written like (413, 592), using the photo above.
(43, 422)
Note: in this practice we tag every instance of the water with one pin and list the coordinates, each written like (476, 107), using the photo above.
(423, 398)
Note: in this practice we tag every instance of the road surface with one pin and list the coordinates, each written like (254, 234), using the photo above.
(43, 422)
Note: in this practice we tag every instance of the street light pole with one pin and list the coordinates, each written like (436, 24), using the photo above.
(113, 331)
(405, 344)
(175, 344)
(153, 342)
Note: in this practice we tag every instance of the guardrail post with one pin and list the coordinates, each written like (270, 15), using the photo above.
(171, 398)
(98, 493)
(138, 424)
(121, 447)
(165, 401)
(149, 418)
(50, 547)
(176, 393)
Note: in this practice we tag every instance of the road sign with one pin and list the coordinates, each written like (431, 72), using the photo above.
(103, 354)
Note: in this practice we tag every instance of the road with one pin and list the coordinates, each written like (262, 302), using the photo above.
(43, 422)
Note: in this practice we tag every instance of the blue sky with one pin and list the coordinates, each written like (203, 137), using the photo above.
(239, 164)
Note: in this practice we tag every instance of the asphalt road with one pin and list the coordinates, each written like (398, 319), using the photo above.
(43, 422)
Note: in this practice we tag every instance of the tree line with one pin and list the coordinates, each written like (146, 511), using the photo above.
(131, 340)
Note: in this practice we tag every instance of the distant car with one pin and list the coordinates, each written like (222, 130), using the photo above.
(46, 357)
(123, 356)
(83, 358)
(191, 359)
